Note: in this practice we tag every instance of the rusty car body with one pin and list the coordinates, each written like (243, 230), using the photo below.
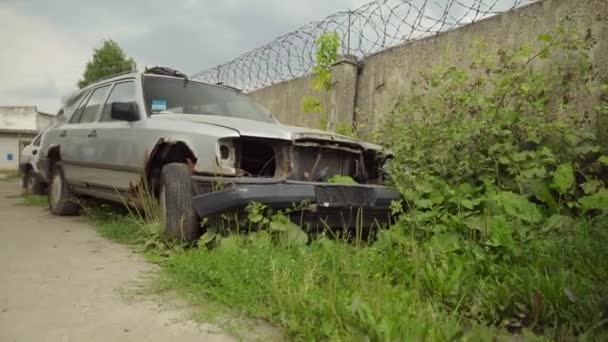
(124, 130)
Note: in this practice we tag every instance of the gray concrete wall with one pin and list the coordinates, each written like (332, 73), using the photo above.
(388, 75)
(284, 100)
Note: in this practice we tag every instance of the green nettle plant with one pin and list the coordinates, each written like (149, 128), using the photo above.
(328, 45)
(327, 54)
(505, 188)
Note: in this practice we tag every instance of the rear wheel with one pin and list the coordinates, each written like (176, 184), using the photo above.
(175, 197)
(61, 200)
(32, 183)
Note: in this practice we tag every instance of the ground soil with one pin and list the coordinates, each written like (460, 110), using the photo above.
(61, 281)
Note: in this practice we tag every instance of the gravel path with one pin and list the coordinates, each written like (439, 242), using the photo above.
(61, 281)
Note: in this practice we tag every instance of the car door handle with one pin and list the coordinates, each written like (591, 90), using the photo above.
(93, 134)
(63, 134)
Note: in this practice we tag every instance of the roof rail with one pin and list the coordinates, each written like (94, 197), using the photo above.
(221, 84)
(114, 75)
(165, 72)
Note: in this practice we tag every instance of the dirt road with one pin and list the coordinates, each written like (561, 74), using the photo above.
(60, 281)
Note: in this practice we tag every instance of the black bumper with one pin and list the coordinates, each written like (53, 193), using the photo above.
(328, 202)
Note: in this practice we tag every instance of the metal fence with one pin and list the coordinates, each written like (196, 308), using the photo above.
(364, 31)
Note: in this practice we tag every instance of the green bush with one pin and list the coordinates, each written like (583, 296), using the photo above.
(503, 228)
(505, 199)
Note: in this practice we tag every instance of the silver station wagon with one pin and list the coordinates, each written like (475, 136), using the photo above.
(183, 138)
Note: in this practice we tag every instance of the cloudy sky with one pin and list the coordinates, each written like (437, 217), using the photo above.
(46, 44)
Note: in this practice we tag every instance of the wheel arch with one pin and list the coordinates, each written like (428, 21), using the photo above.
(46, 164)
(164, 152)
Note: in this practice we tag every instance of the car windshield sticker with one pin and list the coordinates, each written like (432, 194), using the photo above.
(159, 105)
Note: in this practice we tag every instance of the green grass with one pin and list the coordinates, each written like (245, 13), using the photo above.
(115, 225)
(9, 175)
(331, 290)
(35, 200)
(393, 289)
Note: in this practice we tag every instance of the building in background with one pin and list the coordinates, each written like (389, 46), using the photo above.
(18, 126)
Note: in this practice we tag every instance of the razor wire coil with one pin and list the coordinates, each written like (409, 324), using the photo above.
(369, 29)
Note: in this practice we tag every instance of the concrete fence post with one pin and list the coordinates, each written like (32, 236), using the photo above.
(343, 94)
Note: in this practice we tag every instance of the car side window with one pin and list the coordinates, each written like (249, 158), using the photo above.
(89, 114)
(123, 92)
(37, 140)
(72, 103)
(76, 116)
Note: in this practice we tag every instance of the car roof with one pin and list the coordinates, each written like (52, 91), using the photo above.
(149, 73)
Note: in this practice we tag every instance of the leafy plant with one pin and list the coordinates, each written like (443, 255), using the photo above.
(338, 179)
(347, 129)
(500, 176)
(311, 104)
(327, 54)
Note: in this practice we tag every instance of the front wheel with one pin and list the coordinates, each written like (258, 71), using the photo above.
(175, 197)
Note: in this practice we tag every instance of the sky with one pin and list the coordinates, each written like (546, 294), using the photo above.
(45, 44)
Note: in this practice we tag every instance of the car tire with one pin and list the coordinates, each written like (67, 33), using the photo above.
(61, 200)
(175, 202)
(32, 183)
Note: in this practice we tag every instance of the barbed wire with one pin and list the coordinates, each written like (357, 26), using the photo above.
(364, 31)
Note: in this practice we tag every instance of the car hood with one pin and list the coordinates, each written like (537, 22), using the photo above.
(258, 129)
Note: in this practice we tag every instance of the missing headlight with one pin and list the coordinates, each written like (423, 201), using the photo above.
(224, 152)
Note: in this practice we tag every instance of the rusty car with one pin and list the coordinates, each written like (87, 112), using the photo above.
(183, 137)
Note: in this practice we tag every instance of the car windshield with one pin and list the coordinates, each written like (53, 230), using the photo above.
(166, 95)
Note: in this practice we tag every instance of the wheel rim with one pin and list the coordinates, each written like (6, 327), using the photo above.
(56, 189)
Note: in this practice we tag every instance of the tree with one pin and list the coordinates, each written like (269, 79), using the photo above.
(107, 60)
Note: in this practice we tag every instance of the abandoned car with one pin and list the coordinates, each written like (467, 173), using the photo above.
(203, 149)
(28, 168)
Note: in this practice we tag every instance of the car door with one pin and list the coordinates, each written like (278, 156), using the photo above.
(78, 148)
(119, 149)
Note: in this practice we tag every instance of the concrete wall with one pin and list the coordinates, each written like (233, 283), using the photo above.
(284, 100)
(44, 121)
(18, 127)
(18, 118)
(11, 145)
(23, 118)
(387, 75)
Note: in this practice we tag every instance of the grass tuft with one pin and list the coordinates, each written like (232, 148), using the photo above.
(35, 200)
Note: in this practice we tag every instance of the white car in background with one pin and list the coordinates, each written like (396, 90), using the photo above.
(28, 167)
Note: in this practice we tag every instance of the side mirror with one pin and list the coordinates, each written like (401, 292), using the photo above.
(124, 111)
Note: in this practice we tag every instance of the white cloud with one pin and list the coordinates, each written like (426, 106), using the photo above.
(37, 63)
(46, 44)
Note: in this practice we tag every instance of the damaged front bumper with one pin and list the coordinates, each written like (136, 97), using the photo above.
(330, 204)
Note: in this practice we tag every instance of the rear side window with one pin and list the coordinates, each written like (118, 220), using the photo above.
(37, 140)
(122, 92)
(72, 104)
(74, 118)
(89, 114)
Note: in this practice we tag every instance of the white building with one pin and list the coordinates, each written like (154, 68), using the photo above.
(18, 126)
